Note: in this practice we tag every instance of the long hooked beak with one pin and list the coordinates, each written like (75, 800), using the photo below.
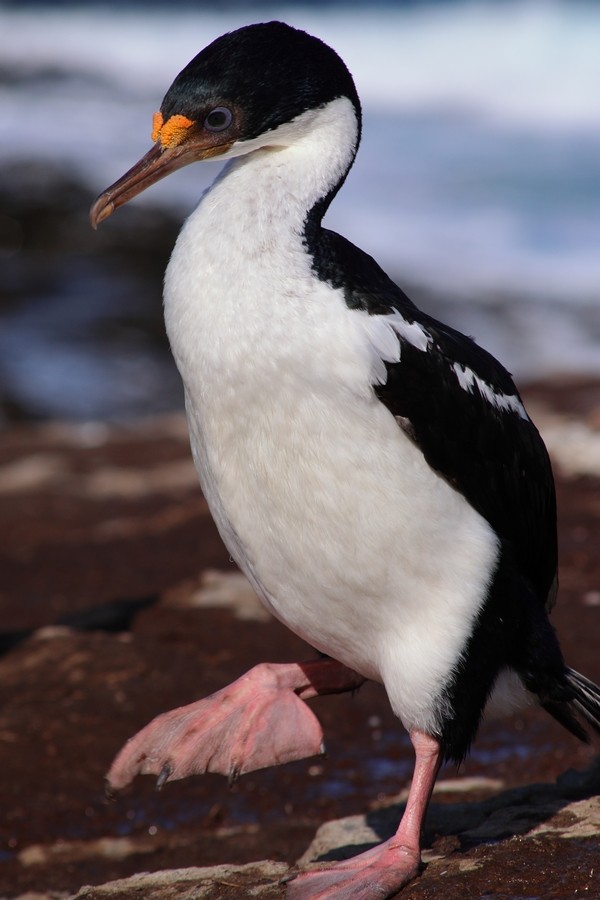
(156, 164)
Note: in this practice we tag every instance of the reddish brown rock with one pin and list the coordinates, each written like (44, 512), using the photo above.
(107, 539)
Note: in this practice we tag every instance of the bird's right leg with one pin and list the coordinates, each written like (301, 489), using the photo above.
(384, 870)
(260, 720)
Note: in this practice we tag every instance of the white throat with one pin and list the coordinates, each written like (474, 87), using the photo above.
(299, 162)
(241, 254)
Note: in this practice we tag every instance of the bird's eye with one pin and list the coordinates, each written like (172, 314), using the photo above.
(218, 119)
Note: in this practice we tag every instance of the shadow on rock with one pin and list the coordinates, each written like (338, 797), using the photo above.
(561, 809)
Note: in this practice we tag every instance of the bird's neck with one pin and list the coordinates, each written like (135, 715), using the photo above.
(242, 275)
(274, 191)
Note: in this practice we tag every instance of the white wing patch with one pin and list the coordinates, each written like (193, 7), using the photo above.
(413, 333)
(384, 332)
(468, 381)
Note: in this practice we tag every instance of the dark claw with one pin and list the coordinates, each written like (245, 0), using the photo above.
(109, 793)
(234, 774)
(290, 876)
(165, 774)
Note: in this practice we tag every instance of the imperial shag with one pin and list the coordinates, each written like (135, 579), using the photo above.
(372, 470)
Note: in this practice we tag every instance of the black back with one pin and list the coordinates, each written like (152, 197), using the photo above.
(494, 457)
(497, 460)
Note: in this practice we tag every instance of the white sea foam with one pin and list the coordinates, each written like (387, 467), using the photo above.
(528, 61)
(479, 172)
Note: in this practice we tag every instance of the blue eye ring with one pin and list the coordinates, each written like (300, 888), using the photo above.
(218, 119)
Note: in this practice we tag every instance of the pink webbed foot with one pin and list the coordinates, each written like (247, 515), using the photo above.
(260, 720)
(374, 875)
(384, 870)
(251, 724)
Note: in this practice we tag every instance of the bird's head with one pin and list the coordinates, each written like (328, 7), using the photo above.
(237, 95)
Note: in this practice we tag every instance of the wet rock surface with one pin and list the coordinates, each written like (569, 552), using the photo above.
(119, 601)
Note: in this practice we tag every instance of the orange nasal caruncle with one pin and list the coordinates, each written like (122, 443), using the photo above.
(172, 132)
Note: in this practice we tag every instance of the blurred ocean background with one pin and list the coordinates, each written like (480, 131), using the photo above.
(477, 185)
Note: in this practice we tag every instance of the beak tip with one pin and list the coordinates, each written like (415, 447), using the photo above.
(101, 210)
(158, 162)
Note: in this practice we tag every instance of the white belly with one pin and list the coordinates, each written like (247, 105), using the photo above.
(350, 538)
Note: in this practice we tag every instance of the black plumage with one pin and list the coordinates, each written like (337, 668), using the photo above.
(496, 458)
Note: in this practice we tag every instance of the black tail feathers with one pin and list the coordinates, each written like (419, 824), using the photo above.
(582, 702)
(586, 701)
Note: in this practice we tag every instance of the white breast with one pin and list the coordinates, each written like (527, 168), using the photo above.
(350, 538)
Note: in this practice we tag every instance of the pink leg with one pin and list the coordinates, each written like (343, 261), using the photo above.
(260, 720)
(384, 870)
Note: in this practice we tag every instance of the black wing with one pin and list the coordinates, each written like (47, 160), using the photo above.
(472, 435)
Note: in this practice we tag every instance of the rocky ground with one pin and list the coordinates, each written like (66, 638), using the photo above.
(118, 601)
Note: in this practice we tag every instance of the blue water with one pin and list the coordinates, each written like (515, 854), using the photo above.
(478, 179)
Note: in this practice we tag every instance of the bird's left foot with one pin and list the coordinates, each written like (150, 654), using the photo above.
(374, 875)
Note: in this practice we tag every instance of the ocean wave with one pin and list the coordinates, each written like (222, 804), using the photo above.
(528, 61)
(480, 167)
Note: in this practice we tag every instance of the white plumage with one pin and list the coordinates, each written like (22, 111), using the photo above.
(328, 506)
